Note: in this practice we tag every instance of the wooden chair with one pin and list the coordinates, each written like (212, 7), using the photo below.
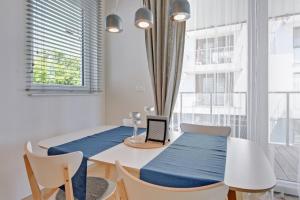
(51, 172)
(132, 188)
(209, 130)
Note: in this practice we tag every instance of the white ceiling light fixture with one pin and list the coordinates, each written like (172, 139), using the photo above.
(180, 10)
(114, 22)
(144, 18)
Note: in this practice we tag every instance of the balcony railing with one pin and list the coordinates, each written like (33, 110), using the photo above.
(223, 109)
(230, 109)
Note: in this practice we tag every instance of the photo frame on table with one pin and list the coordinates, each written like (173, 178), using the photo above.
(157, 129)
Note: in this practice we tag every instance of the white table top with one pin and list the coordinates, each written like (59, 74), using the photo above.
(247, 167)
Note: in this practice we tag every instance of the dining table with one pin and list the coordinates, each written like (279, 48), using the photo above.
(247, 167)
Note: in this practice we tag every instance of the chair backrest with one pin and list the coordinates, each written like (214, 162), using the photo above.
(137, 189)
(49, 170)
(209, 130)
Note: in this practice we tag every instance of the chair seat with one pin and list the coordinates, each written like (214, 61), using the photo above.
(97, 189)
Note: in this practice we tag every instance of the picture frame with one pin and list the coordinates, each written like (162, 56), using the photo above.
(157, 129)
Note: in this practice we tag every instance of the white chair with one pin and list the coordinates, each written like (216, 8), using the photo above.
(51, 172)
(136, 189)
(209, 130)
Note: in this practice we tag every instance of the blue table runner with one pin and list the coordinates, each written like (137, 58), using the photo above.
(90, 146)
(192, 160)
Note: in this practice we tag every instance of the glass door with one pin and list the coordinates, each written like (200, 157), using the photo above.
(284, 91)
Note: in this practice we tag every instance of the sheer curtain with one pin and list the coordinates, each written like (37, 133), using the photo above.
(257, 98)
(213, 86)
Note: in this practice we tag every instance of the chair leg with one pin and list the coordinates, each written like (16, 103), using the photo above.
(35, 189)
(112, 197)
(68, 184)
(121, 190)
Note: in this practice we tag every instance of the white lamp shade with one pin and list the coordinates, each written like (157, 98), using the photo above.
(180, 10)
(144, 18)
(114, 24)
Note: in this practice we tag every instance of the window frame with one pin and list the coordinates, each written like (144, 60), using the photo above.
(201, 83)
(208, 51)
(296, 47)
(85, 67)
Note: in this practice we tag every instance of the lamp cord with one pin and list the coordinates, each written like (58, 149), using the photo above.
(117, 5)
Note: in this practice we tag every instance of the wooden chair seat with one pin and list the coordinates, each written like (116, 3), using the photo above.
(97, 189)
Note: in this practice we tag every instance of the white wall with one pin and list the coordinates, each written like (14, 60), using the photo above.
(128, 82)
(30, 118)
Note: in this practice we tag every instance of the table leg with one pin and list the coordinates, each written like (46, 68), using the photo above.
(232, 195)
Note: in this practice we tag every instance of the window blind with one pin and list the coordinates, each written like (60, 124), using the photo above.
(64, 45)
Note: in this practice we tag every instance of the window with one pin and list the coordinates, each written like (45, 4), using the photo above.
(296, 42)
(296, 81)
(64, 45)
(213, 87)
(204, 83)
(218, 50)
(284, 58)
(216, 85)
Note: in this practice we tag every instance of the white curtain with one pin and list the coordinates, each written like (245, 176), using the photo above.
(214, 79)
(257, 107)
(258, 72)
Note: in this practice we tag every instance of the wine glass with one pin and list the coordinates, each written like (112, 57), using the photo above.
(136, 120)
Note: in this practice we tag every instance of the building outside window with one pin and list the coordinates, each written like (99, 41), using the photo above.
(213, 85)
(296, 44)
(296, 81)
(215, 50)
(217, 86)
